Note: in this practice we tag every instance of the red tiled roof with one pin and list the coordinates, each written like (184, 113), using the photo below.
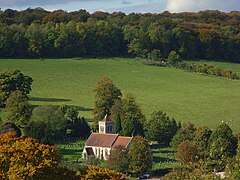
(89, 151)
(101, 140)
(122, 141)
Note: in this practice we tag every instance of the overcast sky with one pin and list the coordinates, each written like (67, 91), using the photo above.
(127, 6)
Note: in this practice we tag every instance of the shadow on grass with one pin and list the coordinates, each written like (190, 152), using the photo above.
(71, 152)
(56, 100)
(163, 159)
(48, 99)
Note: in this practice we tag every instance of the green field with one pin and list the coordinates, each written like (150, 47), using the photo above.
(186, 96)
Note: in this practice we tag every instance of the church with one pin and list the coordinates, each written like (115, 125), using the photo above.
(99, 145)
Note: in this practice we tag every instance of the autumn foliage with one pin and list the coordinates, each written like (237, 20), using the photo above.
(97, 173)
(25, 158)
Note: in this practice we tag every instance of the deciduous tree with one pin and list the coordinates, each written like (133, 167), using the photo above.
(187, 152)
(201, 137)
(18, 110)
(160, 128)
(186, 132)
(118, 159)
(222, 143)
(140, 156)
(25, 158)
(11, 81)
(105, 92)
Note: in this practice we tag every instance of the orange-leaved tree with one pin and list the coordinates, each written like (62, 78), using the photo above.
(26, 158)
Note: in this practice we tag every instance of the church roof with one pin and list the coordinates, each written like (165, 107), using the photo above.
(108, 140)
(101, 140)
(123, 141)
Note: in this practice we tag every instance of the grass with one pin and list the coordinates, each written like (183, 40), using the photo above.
(186, 96)
(164, 158)
(72, 152)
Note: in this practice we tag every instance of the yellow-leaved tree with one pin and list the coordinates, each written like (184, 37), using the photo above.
(26, 158)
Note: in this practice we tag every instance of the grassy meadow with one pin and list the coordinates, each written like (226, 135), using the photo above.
(186, 96)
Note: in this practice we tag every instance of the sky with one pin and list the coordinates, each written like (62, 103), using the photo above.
(126, 6)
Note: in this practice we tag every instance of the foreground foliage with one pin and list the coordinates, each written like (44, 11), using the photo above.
(25, 158)
(94, 172)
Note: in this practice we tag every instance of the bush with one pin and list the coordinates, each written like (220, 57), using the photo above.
(25, 158)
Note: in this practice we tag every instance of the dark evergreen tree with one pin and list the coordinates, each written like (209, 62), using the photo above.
(132, 127)
(118, 124)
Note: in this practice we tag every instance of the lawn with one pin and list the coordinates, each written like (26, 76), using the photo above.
(186, 96)
(164, 158)
(72, 151)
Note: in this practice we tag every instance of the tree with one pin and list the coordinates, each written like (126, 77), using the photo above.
(117, 109)
(34, 36)
(10, 127)
(132, 127)
(186, 132)
(118, 124)
(140, 157)
(38, 130)
(78, 126)
(18, 110)
(54, 121)
(187, 152)
(222, 143)
(11, 81)
(118, 159)
(233, 167)
(160, 128)
(201, 137)
(130, 109)
(105, 92)
(25, 158)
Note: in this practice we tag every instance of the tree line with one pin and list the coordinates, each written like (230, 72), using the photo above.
(41, 33)
(173, 60)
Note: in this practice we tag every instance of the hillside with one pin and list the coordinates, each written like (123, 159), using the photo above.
(183, 95)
